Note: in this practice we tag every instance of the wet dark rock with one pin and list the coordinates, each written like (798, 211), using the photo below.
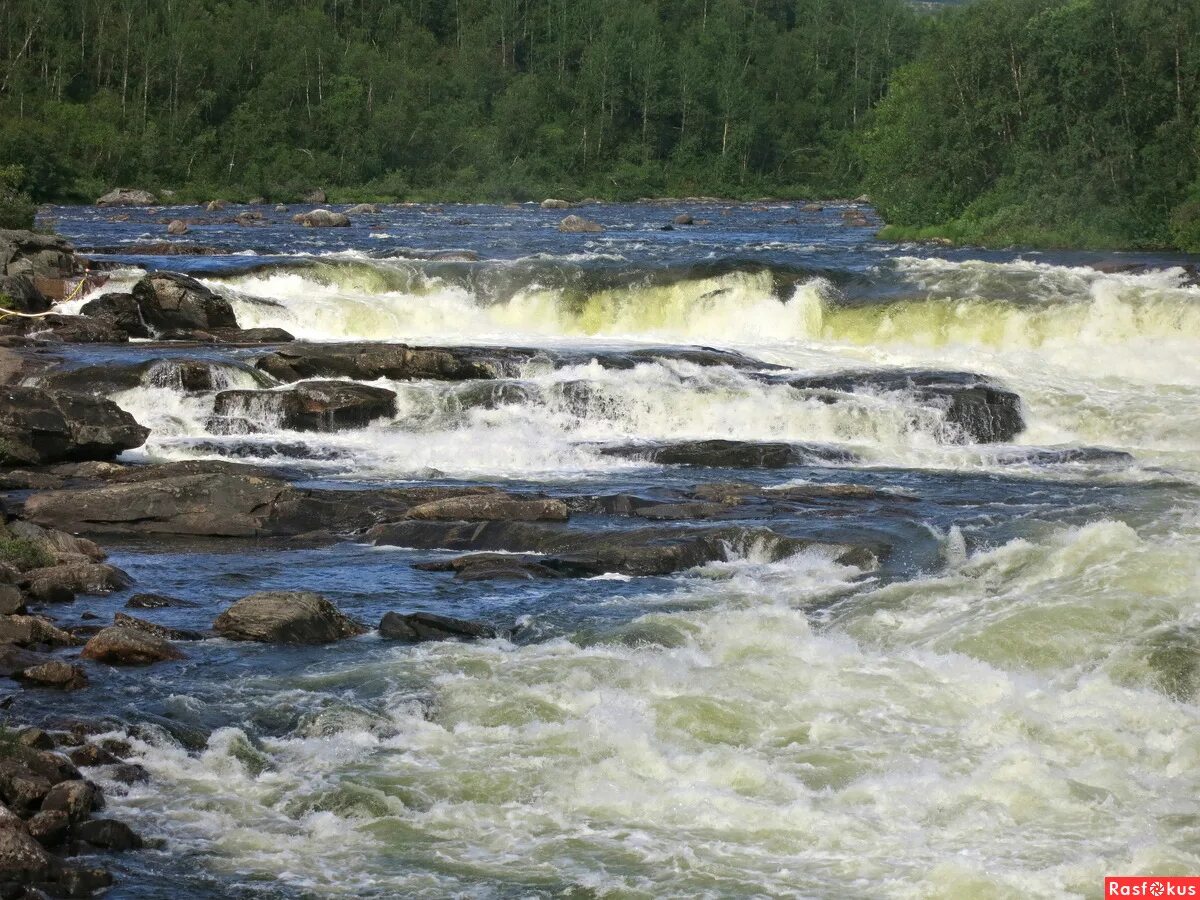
(157, 601)
(123, 646)
(11, 600)
(129, 773)
(49, 827)
(678, 511)
(169, 300)
(54, 674)
(286, 617)
(171, 634)
(646, 551)
(683, 219)
(976, 408)
(1054, 456)
(249, 218)
(74, 330)
(609, 504)
(36, 738)
(81, 882)
(93, 755)
(76, 797)
(14, 659)
(86, 578)
(422, 626)
(39, 426)
(27, 631)
(119, 310)
(311, 406)
(22, 859)
(731, 454)
(401, 362)
(109, 834)
(493, 567)
(23, 296)
(177, 373)
(491, 508)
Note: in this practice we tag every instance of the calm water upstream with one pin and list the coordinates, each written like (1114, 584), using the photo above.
(1008, 706)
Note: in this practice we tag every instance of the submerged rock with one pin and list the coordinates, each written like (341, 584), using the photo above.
(976, 408)
(731, 454)
(184, 374)
(423, 626)
(123, 646)
(401, 362)
(286, 617)
(312, 406)
(646, 551)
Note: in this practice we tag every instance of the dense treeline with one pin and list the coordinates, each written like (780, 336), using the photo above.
(450, 99)
(1048, 122)
(1002, 121)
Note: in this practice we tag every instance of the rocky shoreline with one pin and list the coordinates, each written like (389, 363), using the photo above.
(62, 489)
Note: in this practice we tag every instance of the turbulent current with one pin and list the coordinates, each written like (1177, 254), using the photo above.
(1007, 705)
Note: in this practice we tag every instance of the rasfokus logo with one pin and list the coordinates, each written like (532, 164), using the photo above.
(1151, 886)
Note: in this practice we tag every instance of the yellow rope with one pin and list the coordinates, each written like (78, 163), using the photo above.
(49, 312)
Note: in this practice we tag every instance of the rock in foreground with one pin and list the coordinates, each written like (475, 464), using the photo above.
(39, 427)
(122, 646)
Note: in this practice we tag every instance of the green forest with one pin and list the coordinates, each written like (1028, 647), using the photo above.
(1072, 122)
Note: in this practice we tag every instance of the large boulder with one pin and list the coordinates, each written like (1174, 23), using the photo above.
(552, 203)
(169, 301)
(322, 218)
(312, 406)
(423, 626)
(39, 427)
(127, 197)
(26, 631)
(22, 859)
(122, 646)
(87, 578)
(286, 617)
(579, 225)
(54, 674)
(20, 295)
(120, 310)
(37, 256)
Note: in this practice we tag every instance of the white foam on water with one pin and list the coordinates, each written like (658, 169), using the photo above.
(733, 747)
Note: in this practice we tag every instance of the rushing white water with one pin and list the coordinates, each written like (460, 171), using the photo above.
(1019, 722)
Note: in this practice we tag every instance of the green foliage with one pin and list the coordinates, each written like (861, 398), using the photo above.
(1185, 226)
(22, 554)
(1050, 122)
(476, 99)
(16, 209)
